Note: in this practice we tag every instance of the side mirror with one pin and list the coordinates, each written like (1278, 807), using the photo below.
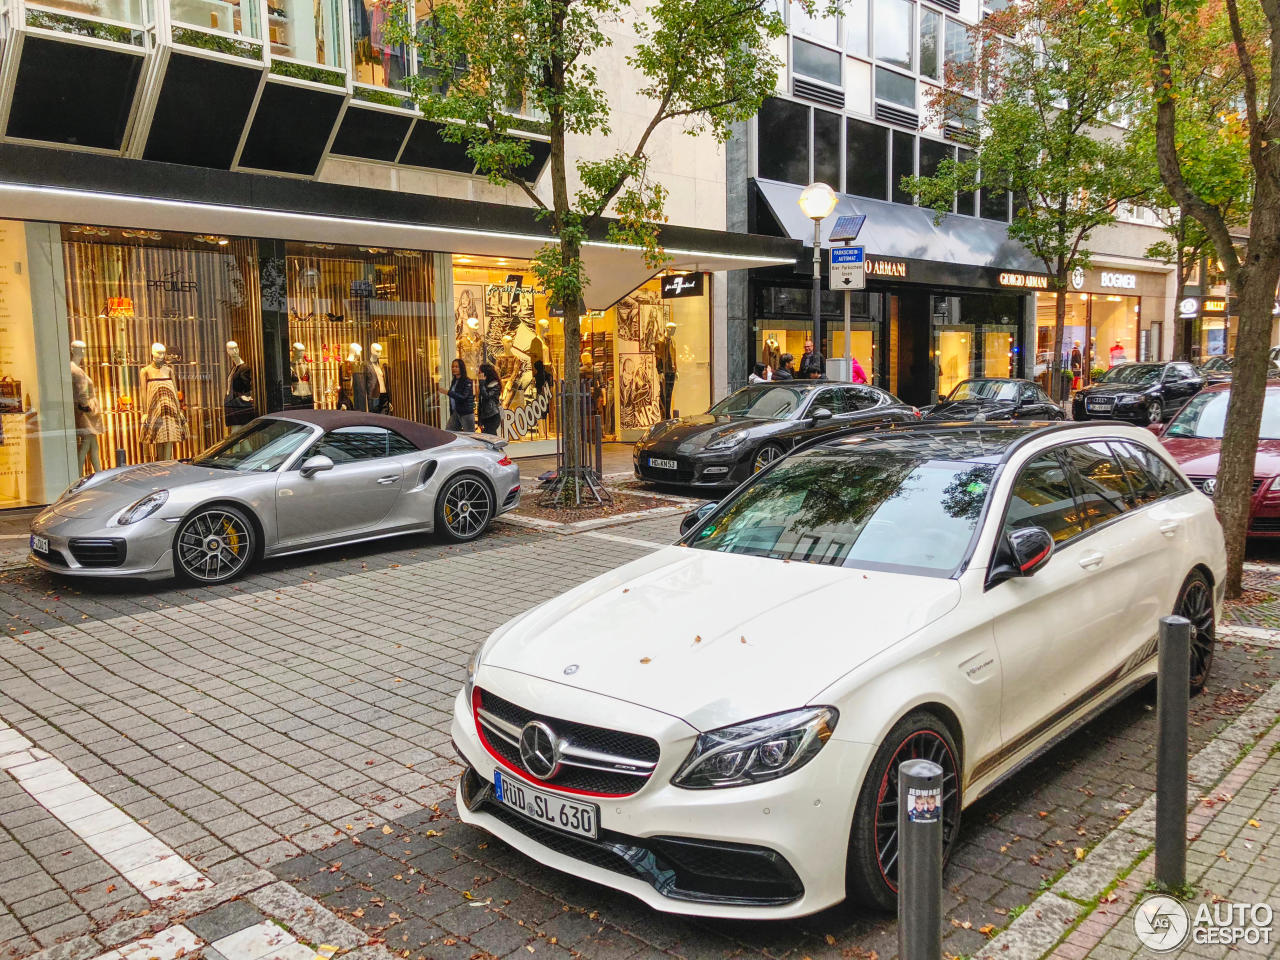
(821, 413)
(1020, 554)
(316, 464)
(696, 516)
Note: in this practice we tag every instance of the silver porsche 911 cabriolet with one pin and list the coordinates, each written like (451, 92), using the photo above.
(285, 483)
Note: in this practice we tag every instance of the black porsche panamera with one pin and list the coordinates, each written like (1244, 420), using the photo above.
(756, 425)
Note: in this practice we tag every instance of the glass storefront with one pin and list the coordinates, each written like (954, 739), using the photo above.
(131, 346)
(1104, 328)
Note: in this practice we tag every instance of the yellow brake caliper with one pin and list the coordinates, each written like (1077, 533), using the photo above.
(233, 538)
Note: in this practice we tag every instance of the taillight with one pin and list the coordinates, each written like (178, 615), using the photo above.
(1273, 491)
(917, 413)
(505, 461)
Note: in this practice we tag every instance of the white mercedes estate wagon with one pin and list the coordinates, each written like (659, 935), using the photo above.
(716, 728)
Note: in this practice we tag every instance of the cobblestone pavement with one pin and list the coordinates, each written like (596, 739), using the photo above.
(298, 721)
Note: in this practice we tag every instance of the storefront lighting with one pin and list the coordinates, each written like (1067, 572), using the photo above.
(464, 259)
(1114, 299)
(223, 241)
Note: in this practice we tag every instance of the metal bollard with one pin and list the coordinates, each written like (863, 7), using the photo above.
(919, 860)
(1173, 695)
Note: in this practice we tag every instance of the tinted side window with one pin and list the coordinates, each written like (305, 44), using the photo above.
(826, 398)
(397, 445)
(859, 398)
(1104, 492)
(1028, 393)
(1143, 487)
(1164, 478)
(1042, 497)
(347, 444)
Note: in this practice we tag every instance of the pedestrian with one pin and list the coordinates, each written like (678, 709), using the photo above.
(784, 368)
(490, 406)
(856, 373)
(1077, 365)
(462, 400)
(758, 374)
(811, 363)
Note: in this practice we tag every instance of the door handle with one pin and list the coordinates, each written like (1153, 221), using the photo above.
(1091, 561)
(1169, 527)
(386, 480)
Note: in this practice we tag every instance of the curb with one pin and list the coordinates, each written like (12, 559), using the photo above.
(1053, 914)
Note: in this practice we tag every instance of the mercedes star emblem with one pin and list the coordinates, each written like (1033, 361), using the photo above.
(539, 750)
(1210, 486)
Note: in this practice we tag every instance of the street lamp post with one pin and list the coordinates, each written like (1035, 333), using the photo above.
(817, 201)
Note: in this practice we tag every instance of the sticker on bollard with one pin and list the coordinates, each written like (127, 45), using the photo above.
(920, 860)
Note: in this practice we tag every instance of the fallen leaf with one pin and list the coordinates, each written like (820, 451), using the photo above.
(698, 638)
(646, 660)
(1043, 814)
(111, 888)
(358, 912)
(1079, 853)
(1254, 823)
(386, 828)
(987, 929)
(831, 941)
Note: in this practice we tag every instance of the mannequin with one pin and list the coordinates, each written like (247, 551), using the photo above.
(538, 346)
(664, 354)
(299, 395)
(471, 347)
(349, 371)
(88, 412)
(380, 386)
(772, 353)
(163, 422)
(585, 361)
(238, 405)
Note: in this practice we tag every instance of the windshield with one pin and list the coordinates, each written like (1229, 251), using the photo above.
(1205, 415)
(1218, 363)
(1140, 373)
(769, 401)
(874, 509)
(985, 390)
(261, 447)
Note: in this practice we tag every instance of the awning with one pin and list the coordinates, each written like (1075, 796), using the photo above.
(38, 183)
(906, 232)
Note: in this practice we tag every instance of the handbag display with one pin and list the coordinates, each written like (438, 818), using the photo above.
(10, 395)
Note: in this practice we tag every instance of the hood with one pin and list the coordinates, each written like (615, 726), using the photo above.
(1111, 389)
(119, 488)
(667, 631)
(699, 430)
(1198, 456)
(968, 409)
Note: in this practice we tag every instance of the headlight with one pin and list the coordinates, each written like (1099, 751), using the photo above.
(77, 486)
(472, 666)
(1129, 398)
(729, 440)
(762, 749)
(141, 509)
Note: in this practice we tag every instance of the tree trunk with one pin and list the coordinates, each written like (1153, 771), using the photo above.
(1179, 351)
(1056, 387)
(571, 427)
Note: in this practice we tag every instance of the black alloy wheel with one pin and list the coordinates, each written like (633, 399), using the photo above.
(1195, 602)
(871, 871)
(464, 508)
(214, 545)
(767, 453)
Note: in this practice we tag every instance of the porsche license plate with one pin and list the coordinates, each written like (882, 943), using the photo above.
(39, 544)
(548, 809)
(663, 464)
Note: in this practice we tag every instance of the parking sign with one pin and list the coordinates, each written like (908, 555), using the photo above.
(848, 268)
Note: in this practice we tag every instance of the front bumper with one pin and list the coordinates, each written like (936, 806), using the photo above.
(78, 547)
(706, 468)
(1129, 412)
(769, 851)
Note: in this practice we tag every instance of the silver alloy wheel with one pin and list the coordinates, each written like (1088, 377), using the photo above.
(466, 508)
(765, 456)
(214, 545)
(1153, 411)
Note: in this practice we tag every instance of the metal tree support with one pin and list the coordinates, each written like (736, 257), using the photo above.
(919, 860)
(577, 485)
(1173, 700)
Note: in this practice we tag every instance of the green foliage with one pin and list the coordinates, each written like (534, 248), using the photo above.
(304, 71)
(388, 98)
(83, 28)
(208, 41)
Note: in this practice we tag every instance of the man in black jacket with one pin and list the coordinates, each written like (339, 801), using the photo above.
(810, 363)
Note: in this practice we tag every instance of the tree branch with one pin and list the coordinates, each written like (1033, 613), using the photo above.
(1250, 84)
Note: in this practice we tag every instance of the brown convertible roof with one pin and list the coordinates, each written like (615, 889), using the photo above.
(419, 434)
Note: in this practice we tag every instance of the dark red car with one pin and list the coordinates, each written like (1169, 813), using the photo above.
(1194, 437)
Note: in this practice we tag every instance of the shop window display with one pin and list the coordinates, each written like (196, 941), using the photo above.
(238, 17)
(374, 60)
(362, 331)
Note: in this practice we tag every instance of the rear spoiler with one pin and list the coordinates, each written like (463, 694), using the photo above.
(490, 441)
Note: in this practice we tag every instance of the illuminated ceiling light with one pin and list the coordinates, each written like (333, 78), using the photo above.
(464, 259)
(223, 241)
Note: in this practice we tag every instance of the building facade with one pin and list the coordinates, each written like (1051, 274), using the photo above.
(212, 209)
(946, 300)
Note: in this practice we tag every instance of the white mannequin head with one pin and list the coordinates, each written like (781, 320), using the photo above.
(375, 350)
(233, 351)
(543, 326)
(354, 351)
(506, 343)
(473, 324)
(78, 348)
(157, 353)
(299, 351)
(671, 327)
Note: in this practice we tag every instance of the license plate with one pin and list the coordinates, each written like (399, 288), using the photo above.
(39, 544)
(548, 809)
(663, 464)
(1099, 405)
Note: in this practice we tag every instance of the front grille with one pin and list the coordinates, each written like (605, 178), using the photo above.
(1199, 482)
(1265, 525)
(54, 557)
(631, 756)
(701, 871)
(97, 551)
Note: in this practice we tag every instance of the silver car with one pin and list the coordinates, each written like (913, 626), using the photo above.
(287, 482)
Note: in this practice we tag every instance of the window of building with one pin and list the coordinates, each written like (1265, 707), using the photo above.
(374, 60)
(866, 152)
(893, 32)
(236, 17)
(966, 200)
(994, 204)
(826, 147)
(124, 11)
(930, 44)
(932, 153)
(817, 26)
(306, 30)
(811, 60)
(895, 88)
(959, 49)
(856, 23)
(782, 128)
(904, 164)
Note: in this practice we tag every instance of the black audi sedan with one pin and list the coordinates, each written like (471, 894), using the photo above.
(995, 398)
(756, 425)
(1143, 393)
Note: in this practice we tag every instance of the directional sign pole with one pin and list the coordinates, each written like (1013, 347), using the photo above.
(848, 338)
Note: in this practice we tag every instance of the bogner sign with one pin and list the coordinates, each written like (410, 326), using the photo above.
(1118, 281)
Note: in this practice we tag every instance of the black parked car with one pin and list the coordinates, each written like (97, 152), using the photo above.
(995, 398)
(756, 425)
(1140, 392)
